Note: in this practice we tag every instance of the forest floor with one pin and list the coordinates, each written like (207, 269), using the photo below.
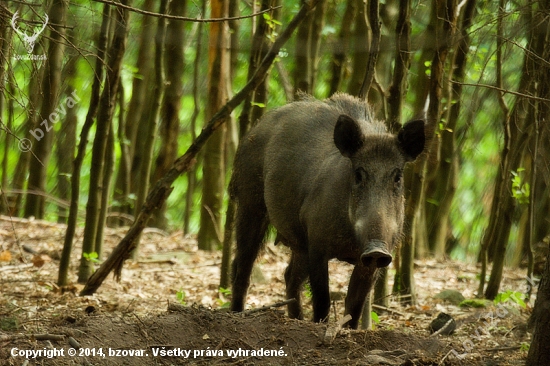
(167, 310)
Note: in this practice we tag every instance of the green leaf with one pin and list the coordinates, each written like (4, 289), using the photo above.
(180, 296)
(91, 257)
(225, 291)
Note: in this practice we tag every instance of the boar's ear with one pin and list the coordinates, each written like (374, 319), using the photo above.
(348, 137)
(411, 139)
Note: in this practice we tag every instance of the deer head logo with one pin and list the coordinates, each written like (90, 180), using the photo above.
(29, 40)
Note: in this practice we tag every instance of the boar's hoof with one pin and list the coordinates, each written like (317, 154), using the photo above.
(380, 258)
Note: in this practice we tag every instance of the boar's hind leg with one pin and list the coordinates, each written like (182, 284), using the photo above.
(318, 280)
(251, 227)
(360, 284)
(295, 275)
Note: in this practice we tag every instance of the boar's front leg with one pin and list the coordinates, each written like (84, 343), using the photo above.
(360, 284)
(295, 275)
(318, 280)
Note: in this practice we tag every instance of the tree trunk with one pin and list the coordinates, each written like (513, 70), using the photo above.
(302, 69)
(341, 47)
(360, 49)
(317, 24)
(441, 189)
(213, 181)
(251, 110)
(125, 185)
(5, 42)
(395, 99)
(191, 175)
(77, 163)
(169, 126)
(104, 120)
(516, 134)
(152, 117)
(540, 321)
(67, 138)
(109, 161)
(373, 15)
(21, 169)
(51, 85)
(414, 173)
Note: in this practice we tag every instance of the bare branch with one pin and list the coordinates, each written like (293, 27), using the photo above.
(505, 91)
(187, 19)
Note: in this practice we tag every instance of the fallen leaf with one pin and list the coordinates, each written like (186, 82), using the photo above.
(5, 256)
(40, 259)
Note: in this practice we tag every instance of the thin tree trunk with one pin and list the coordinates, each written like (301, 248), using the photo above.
(317, 24)
(163, 187)
(109, 161)
(51, 84)
(341, 47)
(67, 138)
(35, 98)
(77, 163)
(125, 185)
(191, 174)
(5, 42)
(302, 77)
(395, 98)
(442, 188)
(152, 117)
(213, 177)
(169, 126)
(360, 49)
(374, 19)
(257, 53)
(516, 133)
(540, 321)
(104, 119)
(414, 173)
(400, 70)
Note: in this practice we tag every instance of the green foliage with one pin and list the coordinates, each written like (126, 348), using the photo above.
(91, 257)
(520, 188)
(515, 296)
(272, 24)
(180, 296)
(221, 301)
(524, 346)
(307, 292)
(375, 319)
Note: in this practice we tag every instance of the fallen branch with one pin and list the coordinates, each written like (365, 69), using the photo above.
(333, 329)
(267, 307)
(49, 337)
(163, 187)
(389, 310)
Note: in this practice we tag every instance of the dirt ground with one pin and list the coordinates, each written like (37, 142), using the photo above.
(167, 310)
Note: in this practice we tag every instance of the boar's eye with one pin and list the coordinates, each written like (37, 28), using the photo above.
(398, 178)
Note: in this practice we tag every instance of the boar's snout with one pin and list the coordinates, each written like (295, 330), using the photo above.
(377, 254)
